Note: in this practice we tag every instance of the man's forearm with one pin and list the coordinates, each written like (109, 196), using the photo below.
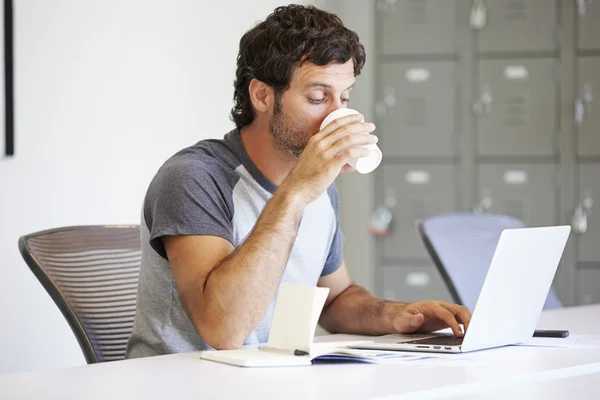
(240, 289)
(357, 311)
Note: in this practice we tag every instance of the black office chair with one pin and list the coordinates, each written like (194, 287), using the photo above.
(462, 245)
(91, 273)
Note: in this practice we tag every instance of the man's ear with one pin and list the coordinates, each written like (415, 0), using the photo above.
(261, 95)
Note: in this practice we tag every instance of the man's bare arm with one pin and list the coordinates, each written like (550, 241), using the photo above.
(352, 309)
(226, 293)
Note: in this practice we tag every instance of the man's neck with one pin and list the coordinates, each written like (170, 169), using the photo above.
(274, 162)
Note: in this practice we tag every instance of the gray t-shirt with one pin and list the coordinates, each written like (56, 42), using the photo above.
(213, 188)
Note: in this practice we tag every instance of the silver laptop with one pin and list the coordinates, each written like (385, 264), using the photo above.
(511, 299)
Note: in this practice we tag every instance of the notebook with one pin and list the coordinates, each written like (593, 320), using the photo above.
(291, 342)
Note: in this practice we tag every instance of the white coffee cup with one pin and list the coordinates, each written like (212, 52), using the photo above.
(363, 165)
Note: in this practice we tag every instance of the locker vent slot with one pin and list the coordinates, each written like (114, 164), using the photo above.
(516, 111)
(517, 10)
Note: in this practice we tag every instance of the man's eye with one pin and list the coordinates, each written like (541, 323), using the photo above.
(316, 101)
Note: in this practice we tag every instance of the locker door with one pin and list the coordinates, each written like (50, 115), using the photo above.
(588, 132)
(417, 26)
(420, 116)
(519, 25)
(526, 192)
(589, 28)
(420, 191)
(408, 283)
(516, 108)
(589, 186)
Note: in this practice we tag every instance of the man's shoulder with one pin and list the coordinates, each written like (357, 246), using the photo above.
(208, 163)
(207, 158)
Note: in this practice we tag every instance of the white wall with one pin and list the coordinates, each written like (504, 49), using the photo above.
(105, 92)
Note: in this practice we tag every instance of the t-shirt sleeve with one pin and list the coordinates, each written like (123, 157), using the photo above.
(336, 251)
(188, 199)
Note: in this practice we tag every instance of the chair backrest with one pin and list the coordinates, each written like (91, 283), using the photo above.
(91, 273)
(462, 245)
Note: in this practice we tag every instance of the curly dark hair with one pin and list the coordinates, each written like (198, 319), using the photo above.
(291, 35)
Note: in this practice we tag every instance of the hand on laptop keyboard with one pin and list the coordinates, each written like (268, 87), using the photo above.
(430, 316)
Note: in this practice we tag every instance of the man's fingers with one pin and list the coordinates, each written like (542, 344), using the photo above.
(351, 154)
(416, 321)
(349, 141)
(338, 123)
(356, 127)
(338, 136)
(449, 318)
(409, 323)
(346, 136)
(462, 312)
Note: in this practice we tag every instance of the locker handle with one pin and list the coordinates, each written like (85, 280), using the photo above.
(583, 104)
(483, 104)
(580, 220)
(582, 7)
(581, 214)
(484, 205)
(478, 15)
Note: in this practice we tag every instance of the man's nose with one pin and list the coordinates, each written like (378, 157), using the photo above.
(335, 105)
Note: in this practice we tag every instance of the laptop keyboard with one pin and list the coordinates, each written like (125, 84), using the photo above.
(438, 341)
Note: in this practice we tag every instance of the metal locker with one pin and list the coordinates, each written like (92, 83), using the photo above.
(589, 286)
(588, 15)
(587, 106)
(413, 283)
(527, 192)
(417, 26)
(518, 25)
(418, 109)
(589, 204)
(420, 191)
(516, 107)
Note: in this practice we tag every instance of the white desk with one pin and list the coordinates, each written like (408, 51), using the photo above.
(577, 386)
(175, 376)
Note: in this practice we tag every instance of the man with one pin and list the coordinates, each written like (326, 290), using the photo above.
(225, 221)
